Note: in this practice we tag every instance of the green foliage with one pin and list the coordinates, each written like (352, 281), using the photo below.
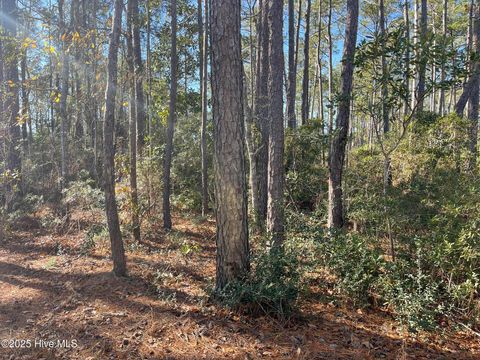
(82, 194)
(271, 288)
(307, 173)
(417, 298)
(355, 262)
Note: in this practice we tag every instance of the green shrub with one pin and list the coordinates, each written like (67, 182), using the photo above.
(270, 289)
(417, 299)
(356, 264)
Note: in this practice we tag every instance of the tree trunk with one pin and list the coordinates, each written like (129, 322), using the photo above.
(259, 185)
(339, 139)
(11, 101)
(330, 70)
(203, 70)
(65, 63)
(306, 64)
(276, 170)
(441, 102)
(167, 161)
(140, 96)
(292, 76)
(422, 64)
(131, 77)
(406, 20)
(475, 93)
(233, 255)
(118, 252)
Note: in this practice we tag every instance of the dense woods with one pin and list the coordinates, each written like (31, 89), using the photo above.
(291, 159)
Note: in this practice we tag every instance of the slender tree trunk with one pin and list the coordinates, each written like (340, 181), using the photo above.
(132, 121)
(259, 185)
(167, 161)
(475, 93)
(330, 69)
(140, 96)
(118, 252)
(422, 64)
(306, 64)
(385, 108)
(203, 69)
(276, 170)
(233, 254)
(11, 104)
(292, 80)
(65, 63)
(441, 102)
(406, 20)
(339, 139)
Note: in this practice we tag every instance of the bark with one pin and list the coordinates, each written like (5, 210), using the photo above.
(259, 183)
(330, 69)
(339, 139)
(11, 100)
(133, 113)
(230, 186)
(422, 65)
(167, 161)
(471, 83)
(118, 252)
(306, 64)
(140, 96)
(276, 169)
(203, 69)
(292, 76)
(441, 104)
(406, 20)
(385, 109)
(475, 93)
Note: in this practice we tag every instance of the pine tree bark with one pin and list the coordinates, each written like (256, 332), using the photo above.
(292, 76)
(203, 70)
(118, 252)
(276, 169)
(167, 160)
(259, 182)
(133, 114)
(339, 139)
(230, 186)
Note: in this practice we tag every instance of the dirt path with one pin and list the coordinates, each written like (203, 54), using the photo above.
(50, 292)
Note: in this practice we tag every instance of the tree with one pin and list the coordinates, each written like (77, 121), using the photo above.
(292, 75)
(276, 170)
(306, 64)
(11, 101)
(339, 139)
(475, 93)
(203, 70)
(132, 120)
(139, 94)
(233, 258)
(421, 33)
(167, 161)
(65, 63)
(118, 252)
(259, 176)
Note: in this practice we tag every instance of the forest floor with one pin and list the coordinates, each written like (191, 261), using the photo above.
(49, 290)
